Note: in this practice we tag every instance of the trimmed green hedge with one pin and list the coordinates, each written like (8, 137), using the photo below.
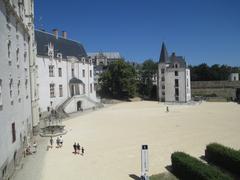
(187, 167)
(223, 156)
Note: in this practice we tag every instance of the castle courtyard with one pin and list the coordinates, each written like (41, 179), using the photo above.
(112, 139)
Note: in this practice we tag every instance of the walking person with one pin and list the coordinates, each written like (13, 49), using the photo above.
(51, 141)
(61, 141)
(75, 148)
(82, 151)
(167, 109)
(78, 148)
(58, 142)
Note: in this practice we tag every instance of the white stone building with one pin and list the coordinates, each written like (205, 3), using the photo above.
(234, 77)
(104, 58)
(65, 73)
(173, 78)
(100, 61)
(18, 100)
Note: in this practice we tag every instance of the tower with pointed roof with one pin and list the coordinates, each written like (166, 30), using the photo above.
(173, 78)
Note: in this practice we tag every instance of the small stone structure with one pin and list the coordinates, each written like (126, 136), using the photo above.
(51, 125)
(234, 77)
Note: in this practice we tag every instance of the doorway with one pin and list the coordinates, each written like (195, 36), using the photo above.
(79, 106)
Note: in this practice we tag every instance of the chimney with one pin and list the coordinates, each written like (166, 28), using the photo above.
(55, 33)
(64, 34)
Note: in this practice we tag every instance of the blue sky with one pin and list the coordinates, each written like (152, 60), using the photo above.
(201, 30)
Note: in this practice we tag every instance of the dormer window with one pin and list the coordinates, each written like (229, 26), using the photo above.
(50, 50)
(90, 61)
(83, 60)
(59, 56)
(176, 65)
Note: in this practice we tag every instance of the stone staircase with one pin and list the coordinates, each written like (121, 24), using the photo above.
(60, 108)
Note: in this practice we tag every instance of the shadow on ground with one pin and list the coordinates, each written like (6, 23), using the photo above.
(135, 177)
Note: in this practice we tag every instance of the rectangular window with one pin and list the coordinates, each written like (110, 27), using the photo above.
(9, 49)
(51, 71)
(72, 72)
(176, 83)
(26, 88)
(13, 133)
(84, 89)
(1, 101)
(11, 88)
(17, 54)
(91, 88)
(177, 98)
(163, 79)
(60, 72)
(163, 93)
(176, 73)
(176, 92)
(52, 93)
(162, 71)
(18, 87)
(163, 86)
(25, 56)
(90, 73)
(83, 72)
(60, 90)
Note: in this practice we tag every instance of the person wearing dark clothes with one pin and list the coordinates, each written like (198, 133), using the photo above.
(167, 109)
(82, 150)
(51, 141)
(78, 148)
(75, 148)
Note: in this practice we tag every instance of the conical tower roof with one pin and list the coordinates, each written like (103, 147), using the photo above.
(164, 55)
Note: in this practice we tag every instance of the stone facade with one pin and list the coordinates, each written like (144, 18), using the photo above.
(234, 77)
(224, 89)
(100, 60)
(65, 74)
(16, 82)
(173, 78)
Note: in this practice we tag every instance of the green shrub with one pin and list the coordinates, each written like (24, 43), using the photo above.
(223, 156)
(187, 167)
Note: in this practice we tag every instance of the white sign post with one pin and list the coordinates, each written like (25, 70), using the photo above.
(144, 163)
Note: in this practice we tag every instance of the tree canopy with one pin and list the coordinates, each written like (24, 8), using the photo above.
(148, 74)
(216, 72)
(118, 81)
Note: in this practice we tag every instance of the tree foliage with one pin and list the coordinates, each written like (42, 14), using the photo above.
(216, 72)
(147, 73)
(118, 81)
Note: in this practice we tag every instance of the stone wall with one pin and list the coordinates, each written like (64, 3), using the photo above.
(226, 89)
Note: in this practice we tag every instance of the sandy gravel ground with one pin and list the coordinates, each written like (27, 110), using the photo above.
(112, 138)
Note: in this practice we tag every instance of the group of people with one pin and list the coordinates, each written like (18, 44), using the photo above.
(59, 142)
(77, 149)
(30, 149)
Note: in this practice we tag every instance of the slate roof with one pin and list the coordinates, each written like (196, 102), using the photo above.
(163, 55)
(64, 46)
(164, 58)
